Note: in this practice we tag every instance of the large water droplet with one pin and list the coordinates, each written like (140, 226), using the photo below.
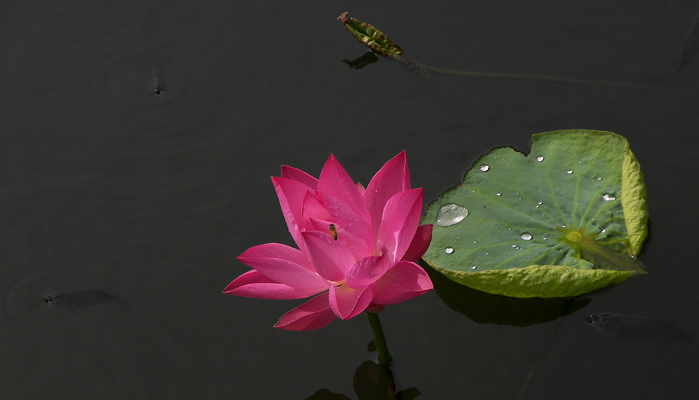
(473, 267)
(498, 194)
(448, 249)
(539, 158)
(570, 171)
(608, 197)
(450, 214)
(526, 236)
(484, 167)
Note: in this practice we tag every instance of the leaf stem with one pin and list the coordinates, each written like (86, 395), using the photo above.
(379, 338)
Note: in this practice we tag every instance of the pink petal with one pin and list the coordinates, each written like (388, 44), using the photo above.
(313, 314)
(352, 228)
(270, 261)
(400, 220)
(291, 194)
(278, 250)
(420, 243)
(347, 302)
(299, 176)
(319, 225)
(313, 208)
(254, 284)
(392, 178)
(402, 282)
(367, 270)
(335, 181)
(330, 258)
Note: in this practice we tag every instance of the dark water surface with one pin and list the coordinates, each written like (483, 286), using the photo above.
(108, 187)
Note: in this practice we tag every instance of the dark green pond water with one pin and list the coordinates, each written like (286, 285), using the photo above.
(107, 187)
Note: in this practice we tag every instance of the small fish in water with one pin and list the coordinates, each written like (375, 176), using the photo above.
(81, 299)
(157, 83)
(691, 43)
(632, 328)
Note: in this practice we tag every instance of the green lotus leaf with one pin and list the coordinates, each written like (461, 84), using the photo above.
(567, 219)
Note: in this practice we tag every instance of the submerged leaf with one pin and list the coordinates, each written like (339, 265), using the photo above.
(691, 43)
(565, 220)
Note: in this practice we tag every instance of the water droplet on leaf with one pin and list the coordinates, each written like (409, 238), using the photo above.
(450, 214)
(449, 250)
(608, 197)
(526, 236)
(570, 171)
(539, 158)
(484, 167)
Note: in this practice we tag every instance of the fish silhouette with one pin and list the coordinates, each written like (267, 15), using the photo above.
(691, 43)
(81, 299)
(637, 328)
(157, 83)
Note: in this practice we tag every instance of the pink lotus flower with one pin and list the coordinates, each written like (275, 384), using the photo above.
(356, 246)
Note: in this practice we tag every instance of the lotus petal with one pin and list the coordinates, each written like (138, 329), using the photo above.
(254, 284)
(313, 314)
(347, 302)
(330, 258)
(400, 283)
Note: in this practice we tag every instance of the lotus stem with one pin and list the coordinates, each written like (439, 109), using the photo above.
(379, 338)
